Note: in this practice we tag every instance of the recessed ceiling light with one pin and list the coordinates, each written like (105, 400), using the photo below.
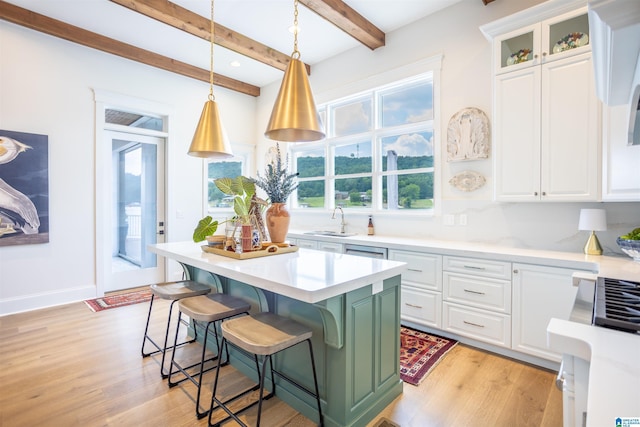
(235, 63)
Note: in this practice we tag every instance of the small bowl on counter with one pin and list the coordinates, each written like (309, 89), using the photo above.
(216, 241)
(630, 247)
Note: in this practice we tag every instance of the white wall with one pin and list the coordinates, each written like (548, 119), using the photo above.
(465, 82)
(46, 87)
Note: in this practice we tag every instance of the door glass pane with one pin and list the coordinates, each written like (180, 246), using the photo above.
(569, 34)
(135, 120)
(135, 203)
(516, 49)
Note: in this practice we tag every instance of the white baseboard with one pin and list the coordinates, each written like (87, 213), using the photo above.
(46, 299)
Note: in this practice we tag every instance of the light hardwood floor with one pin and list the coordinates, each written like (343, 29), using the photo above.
(67, 366)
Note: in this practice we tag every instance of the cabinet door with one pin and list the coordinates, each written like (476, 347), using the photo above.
(422, 307)
(517, 49)
(517, 135)
(539, 294)
(569, 130)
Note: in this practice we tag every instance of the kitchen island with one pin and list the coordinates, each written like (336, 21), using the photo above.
(351, 303)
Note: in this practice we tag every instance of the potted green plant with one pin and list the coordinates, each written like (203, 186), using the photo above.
(278, 183)
(246, 205)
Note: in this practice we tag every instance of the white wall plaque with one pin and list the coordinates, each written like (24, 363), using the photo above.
(468, 136)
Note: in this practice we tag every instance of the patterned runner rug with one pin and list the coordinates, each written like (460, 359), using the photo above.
(420, 353)
(119, 300)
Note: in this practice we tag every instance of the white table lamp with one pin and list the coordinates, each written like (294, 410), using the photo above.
(593, 220)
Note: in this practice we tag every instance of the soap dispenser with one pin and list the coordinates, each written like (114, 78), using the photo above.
(370, 226)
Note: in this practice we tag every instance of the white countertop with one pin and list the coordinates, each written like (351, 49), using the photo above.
(619, 267)
(306, 275)
(614, 370)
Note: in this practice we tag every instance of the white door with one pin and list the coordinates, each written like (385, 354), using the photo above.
(135, 210)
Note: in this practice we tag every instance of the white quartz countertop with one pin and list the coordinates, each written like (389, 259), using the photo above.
(618, 267)
(306, 275)
(614, 370)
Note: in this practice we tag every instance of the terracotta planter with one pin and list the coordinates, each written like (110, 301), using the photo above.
(277, 219)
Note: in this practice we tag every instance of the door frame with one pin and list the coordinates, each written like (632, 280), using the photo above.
(104, 100)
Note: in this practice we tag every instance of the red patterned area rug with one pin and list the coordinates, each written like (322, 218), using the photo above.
(420, 353)
(119, 300)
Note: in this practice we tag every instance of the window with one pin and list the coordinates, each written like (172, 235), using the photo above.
(378, 154)
(239, 164)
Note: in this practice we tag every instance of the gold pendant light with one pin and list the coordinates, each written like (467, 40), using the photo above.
(210, 139)
(294, 117)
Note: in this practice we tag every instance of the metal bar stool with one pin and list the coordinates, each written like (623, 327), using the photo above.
(207, 310)
(264, 334)
(173, 291)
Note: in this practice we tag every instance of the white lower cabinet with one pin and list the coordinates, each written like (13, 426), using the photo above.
(421, 287)
(539, 293)
(481, 325)
(477, 299)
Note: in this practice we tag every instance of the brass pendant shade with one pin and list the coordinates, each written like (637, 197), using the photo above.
(294, 117)
(210, 139)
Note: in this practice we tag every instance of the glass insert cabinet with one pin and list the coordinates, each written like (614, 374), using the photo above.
(556, 38)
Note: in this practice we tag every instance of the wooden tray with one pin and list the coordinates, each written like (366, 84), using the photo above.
(273, 249)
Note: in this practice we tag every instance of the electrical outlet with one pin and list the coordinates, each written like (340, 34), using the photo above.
(462, 219)
(448, 219)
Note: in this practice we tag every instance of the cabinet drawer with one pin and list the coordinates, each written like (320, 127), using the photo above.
(423, 270)
(423, 307)
(309, 244)
(479, 324)
(478, 267)
(481, 292)
(330, 247)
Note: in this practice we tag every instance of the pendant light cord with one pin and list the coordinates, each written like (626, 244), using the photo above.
(296, 53)
(211, 97)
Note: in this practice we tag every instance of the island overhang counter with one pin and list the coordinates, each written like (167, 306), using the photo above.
(351, 303)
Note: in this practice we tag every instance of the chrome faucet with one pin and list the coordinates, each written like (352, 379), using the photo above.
(342, 223)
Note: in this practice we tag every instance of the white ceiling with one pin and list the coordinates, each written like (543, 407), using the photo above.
(266, 21)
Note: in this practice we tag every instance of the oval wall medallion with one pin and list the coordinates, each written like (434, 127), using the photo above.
(468, 181)
(468, 135)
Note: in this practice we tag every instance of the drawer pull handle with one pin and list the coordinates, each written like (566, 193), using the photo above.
(473, 267)
(473, 324)
(473, 292)
(414, 269)
(412, 305)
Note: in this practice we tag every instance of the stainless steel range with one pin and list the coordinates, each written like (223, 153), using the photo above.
(616, 304)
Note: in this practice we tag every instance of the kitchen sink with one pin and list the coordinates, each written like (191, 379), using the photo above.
(329, 233)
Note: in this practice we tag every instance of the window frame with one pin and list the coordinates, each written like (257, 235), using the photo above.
(430, 69)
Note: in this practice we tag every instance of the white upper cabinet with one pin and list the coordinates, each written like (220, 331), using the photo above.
(549, 40)
(546, 114)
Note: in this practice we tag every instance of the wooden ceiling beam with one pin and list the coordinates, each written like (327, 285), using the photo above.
(348, 20)
(183, 19)
(53, 27)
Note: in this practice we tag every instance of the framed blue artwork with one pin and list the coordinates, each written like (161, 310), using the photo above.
(24, 188)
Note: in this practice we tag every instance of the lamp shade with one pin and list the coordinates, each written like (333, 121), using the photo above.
(210, 139)
(294, 117)
(593, 220)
